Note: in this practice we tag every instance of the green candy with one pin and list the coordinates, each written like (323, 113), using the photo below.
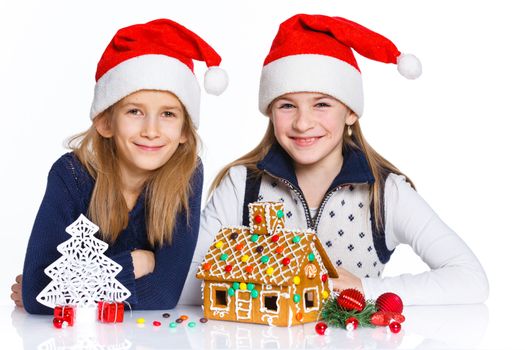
(280, 213)
(173, 324)
(254, 238)
(250, 286)
(311, 257)
(192, 324)
(296, 239)
(224, 257)
(255, 293)
(231, 292)
(236, 285)
(296, 298)
(265, 259)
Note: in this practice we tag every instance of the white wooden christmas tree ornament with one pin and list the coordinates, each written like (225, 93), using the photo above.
(83, 275)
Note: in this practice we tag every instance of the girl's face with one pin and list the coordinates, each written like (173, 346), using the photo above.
(310, 126)
(147, 127)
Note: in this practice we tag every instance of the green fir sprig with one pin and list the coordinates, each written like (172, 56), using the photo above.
(336, 316)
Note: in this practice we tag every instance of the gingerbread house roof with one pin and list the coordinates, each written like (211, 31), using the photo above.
(238, 254)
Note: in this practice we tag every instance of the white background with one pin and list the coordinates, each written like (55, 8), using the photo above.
(456, 131)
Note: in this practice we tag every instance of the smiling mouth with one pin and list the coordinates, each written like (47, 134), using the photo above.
(148, 147)
(305, 141)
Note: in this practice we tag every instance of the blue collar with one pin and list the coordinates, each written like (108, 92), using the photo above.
(355, 167)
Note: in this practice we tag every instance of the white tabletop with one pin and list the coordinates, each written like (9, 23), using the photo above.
(449, 327)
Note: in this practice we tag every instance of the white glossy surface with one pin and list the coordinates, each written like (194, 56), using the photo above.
(442, 327)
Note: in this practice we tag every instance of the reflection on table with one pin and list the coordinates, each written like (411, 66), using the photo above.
(425, 327)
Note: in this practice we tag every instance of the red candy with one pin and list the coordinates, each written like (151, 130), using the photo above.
(66, 313)
(58, 322)
(320, 328)
(353, 322)
(258, 219)
(275, 238)
(286, 261)
(395, 327)
(156, 323)
(228, 268)
(324, 277)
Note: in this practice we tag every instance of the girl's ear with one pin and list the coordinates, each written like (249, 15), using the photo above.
(350, 118)
(103, 125)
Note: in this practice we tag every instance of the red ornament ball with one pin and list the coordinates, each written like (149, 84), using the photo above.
(320, 328)
(58, 322)
(395, 327)
(352, 323)
(351, 299)
(389, 302)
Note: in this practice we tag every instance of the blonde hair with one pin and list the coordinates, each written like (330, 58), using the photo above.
(167, 190)
(379, 166)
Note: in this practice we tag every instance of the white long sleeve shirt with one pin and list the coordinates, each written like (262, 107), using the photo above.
(455, 276)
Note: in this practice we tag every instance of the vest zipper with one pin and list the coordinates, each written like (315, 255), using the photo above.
(299, 193)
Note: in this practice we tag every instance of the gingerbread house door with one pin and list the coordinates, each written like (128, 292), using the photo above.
(243, 304)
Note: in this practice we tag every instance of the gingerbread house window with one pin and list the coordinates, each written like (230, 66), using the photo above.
(270, 302)
(311, 299)
(219, 295)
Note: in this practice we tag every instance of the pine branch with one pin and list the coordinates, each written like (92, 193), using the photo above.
(336, 316)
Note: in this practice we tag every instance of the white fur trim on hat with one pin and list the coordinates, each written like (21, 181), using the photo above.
(148, 72)
(311, 73)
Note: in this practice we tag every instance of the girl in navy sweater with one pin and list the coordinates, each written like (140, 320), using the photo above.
(314, 159)
(135, 173)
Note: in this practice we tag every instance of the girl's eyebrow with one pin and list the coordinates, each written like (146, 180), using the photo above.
(137, 104)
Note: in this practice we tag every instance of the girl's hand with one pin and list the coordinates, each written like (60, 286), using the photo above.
(16, 290)
(346, 280)
(143, 262)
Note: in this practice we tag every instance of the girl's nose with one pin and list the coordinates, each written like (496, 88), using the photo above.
(150, 128)
(303, 120)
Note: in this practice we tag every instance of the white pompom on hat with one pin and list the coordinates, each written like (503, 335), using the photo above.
(157, 55)
(313, 53)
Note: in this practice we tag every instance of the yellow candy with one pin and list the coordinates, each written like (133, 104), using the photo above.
(296, 280)
(269, 271)
(324, 294)
(219, 244)
(242, 286)
(245, 258)
(140, 320)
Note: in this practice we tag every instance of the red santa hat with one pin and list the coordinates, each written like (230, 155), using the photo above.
(157, 56)
(313, 53)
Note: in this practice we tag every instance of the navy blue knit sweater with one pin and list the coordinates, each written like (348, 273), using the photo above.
(68, 193)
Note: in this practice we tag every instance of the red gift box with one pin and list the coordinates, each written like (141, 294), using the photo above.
(66, 313)
(110, 311)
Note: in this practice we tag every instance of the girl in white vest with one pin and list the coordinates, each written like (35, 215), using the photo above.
(314, 159)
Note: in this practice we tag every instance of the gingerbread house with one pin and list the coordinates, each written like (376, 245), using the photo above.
(265, 273)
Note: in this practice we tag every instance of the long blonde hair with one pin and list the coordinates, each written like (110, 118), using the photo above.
(167, 190)
(379, 166)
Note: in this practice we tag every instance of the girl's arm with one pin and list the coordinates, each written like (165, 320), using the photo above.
(57, 211)
(223, 209)
(455, 276)
(161, 289)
